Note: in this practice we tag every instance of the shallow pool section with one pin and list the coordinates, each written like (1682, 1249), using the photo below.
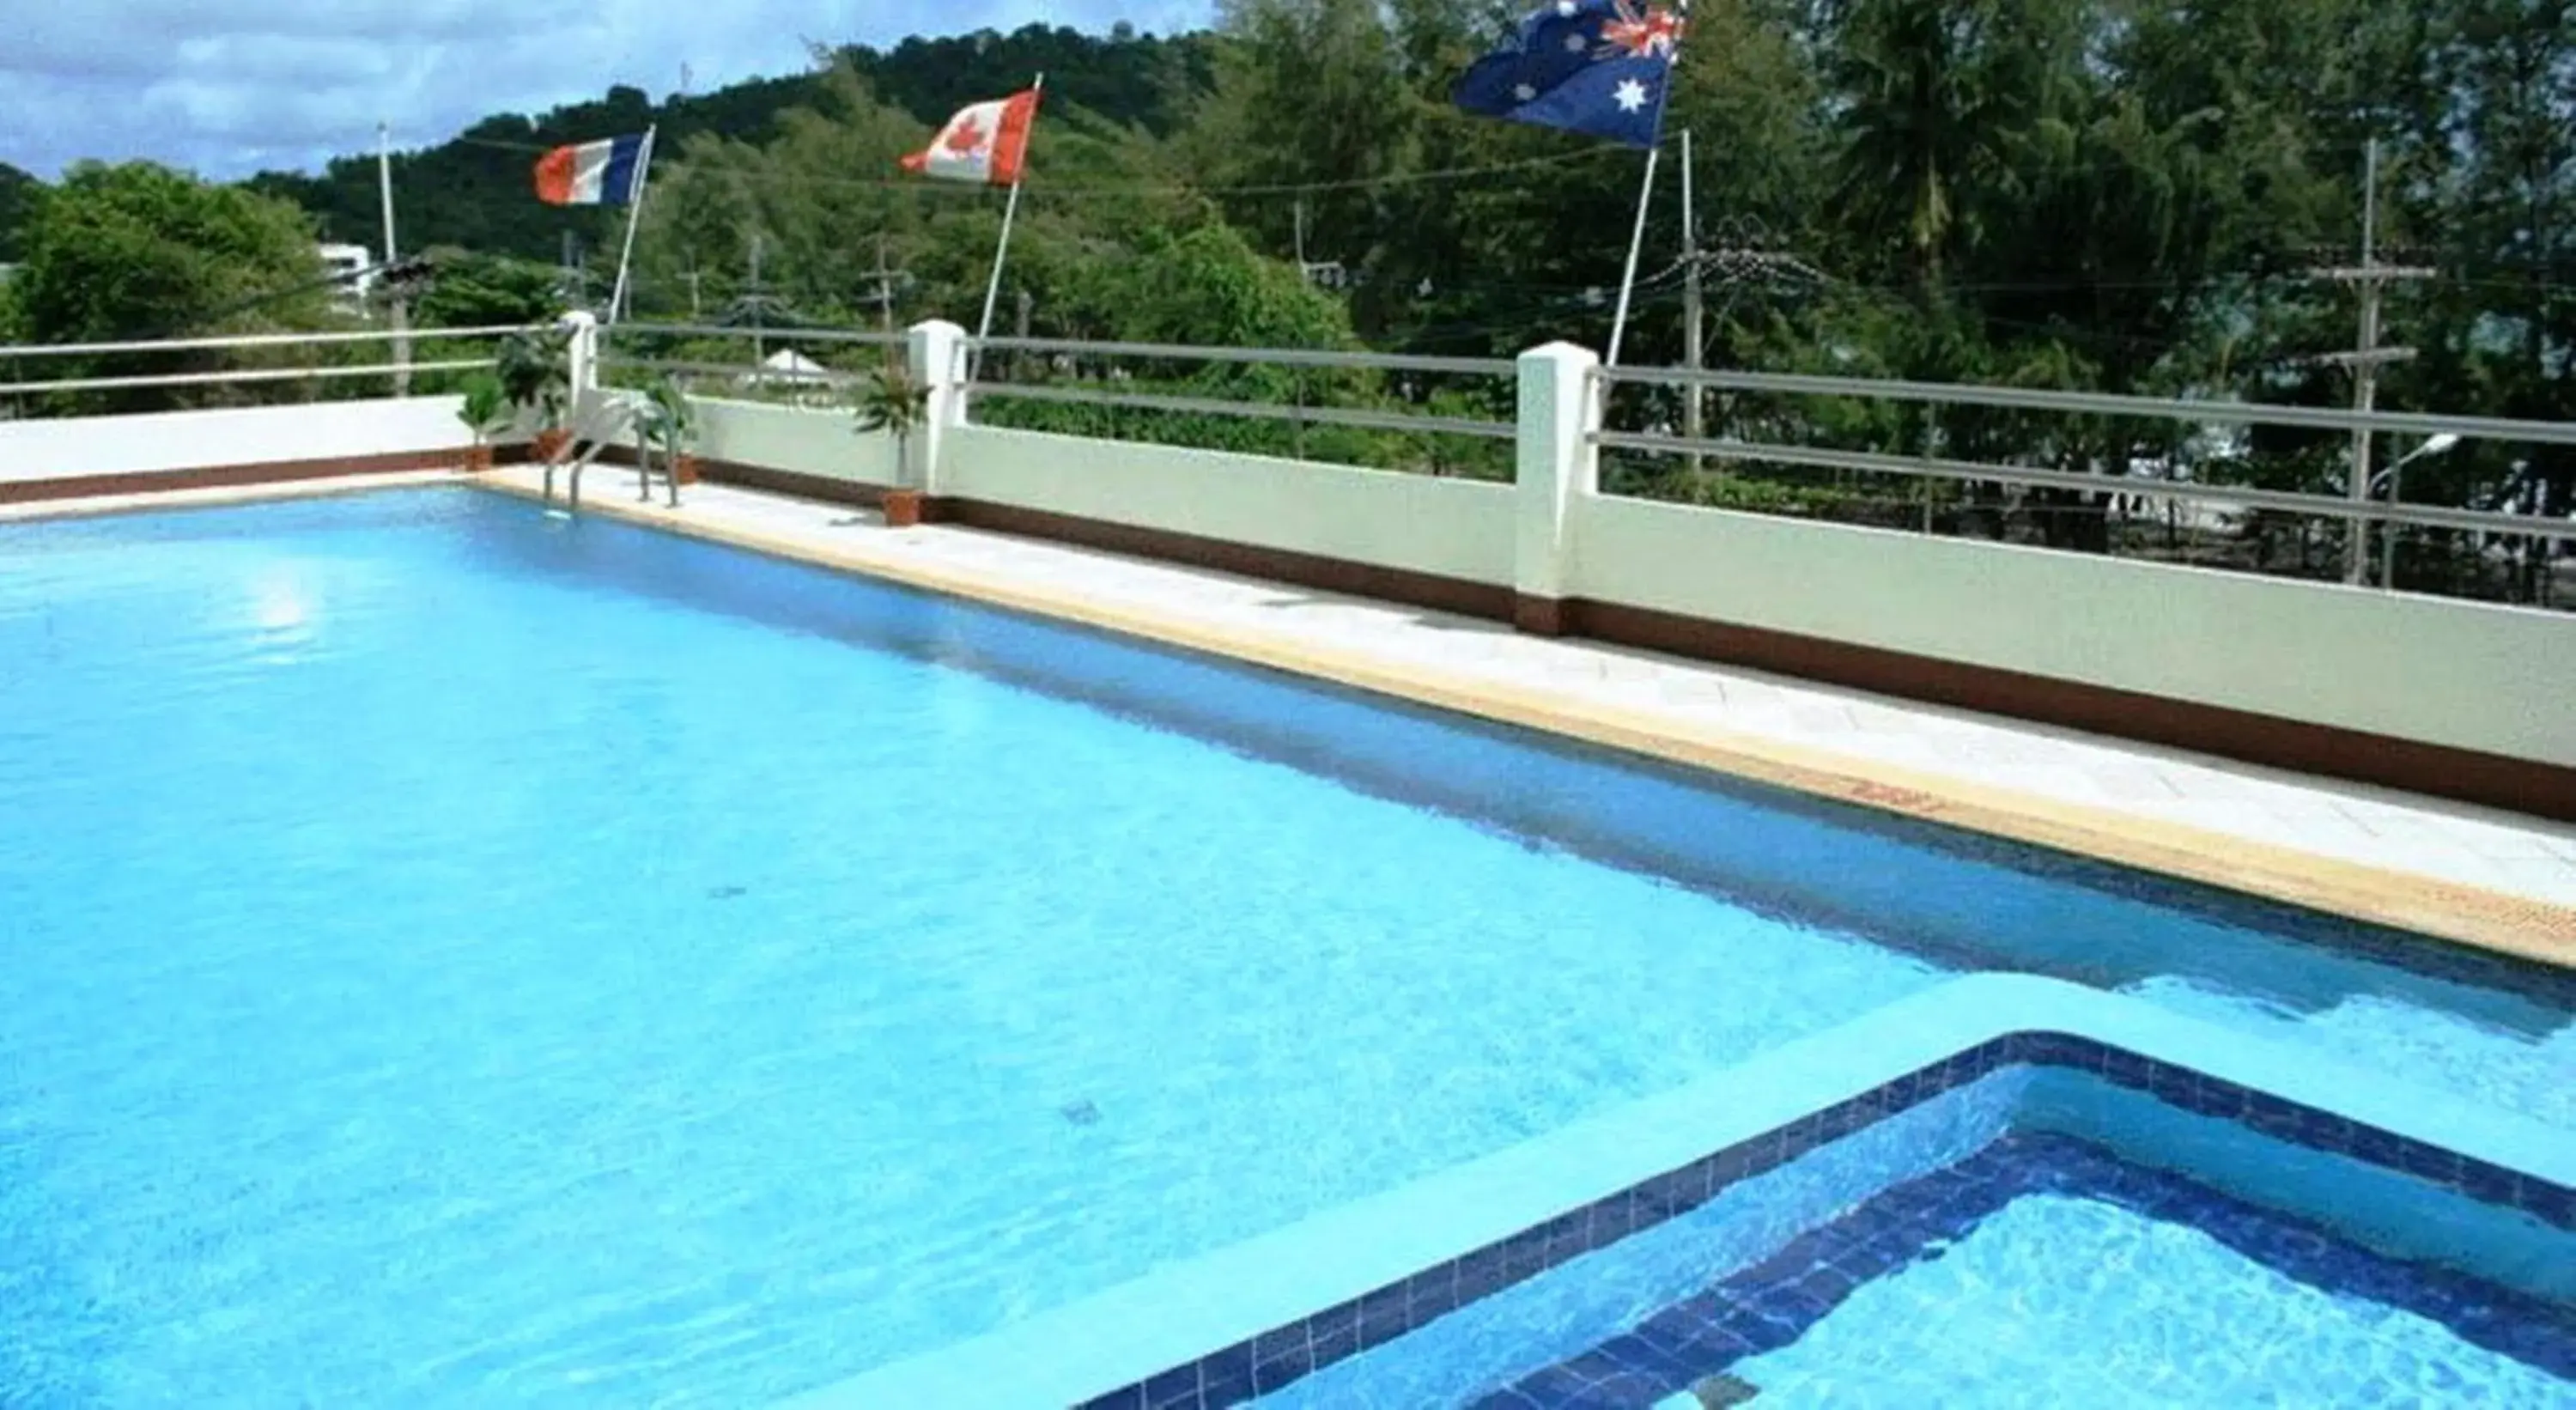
(2043, 1270)
(2040, 1219)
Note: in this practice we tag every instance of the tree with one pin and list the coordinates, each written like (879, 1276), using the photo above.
(140, 251)
(19, 193)
(482, 291)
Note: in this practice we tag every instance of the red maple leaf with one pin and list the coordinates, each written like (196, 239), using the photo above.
(966, 139)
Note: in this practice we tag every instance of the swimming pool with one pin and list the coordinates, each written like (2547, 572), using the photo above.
(456, 954)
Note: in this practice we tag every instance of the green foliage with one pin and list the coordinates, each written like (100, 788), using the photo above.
(534, 368)
(890, 399)
(484, 291)
(140, 251)
(19, 192)
(487, 406)
(2093, 194)
(475, 191)
(666, 419)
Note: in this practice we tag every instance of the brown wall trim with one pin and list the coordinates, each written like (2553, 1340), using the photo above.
(234, 476)
(1340, 575)
(2522, 785)
(787, 482)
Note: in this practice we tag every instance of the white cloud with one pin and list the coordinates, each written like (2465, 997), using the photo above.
(229, 87)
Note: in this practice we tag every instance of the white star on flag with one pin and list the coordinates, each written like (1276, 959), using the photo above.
(1630, 96)
(1574, 43)
(1524, 92)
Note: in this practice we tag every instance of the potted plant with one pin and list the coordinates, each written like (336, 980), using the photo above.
(486, 413)
(669, 428)
(534, 371)
(892, 400)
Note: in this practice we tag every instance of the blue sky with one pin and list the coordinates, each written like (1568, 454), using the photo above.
(229, 87)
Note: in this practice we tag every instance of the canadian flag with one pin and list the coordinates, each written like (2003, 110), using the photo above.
(985, 142)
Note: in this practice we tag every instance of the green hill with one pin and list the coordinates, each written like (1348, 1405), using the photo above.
(473, 190)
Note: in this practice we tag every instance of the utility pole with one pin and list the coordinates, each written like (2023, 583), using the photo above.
(1327, 275)
(1694, 333)
(758, 353)
(885, 288)
(576, 278)
(2371, 277)
(398, 312)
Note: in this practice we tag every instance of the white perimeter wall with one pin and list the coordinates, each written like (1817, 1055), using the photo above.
(2474, 675)
(818, 442)
(205, 440)
(1459, 529)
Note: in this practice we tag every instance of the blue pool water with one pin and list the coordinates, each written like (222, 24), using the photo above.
(449, 956)
(2046, 1271)
(2064, 1300)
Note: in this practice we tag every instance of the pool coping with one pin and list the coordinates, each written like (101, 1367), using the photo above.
(2526, 927)
(1173, 1317)
(217, 496)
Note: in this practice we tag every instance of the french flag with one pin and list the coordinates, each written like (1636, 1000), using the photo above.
(591, 173)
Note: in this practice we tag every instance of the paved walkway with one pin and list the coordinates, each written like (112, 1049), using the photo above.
(2499, 880)
(2491, 878)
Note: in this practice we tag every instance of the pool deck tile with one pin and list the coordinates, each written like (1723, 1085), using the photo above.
(2473, 875)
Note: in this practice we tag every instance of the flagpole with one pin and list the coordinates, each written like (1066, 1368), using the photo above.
(1636, 243)
(397, 316)
(1002, 250)
(634, 218)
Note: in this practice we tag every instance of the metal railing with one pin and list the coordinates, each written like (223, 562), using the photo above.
(972, 351)
(1296, 412)
(2351, 508)
(255, 340)
(615, 332)
(401, 369)
(755, 371)
(1277, 357)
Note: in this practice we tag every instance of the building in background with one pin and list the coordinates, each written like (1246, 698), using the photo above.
(355, 266)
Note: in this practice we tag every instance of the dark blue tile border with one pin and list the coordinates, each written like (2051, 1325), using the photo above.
(1281, 1354)
(1773, 1303)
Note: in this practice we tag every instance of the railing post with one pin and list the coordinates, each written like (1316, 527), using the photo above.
(582, 363)
(937, 353)
(1556, 471)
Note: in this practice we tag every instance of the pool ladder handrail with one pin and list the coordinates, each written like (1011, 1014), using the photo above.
(595, 433)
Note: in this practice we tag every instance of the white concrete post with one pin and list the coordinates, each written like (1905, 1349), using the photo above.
(937, 350)
(1556, 472)
(583, 366)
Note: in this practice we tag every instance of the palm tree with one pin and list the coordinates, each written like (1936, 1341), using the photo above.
(1934, 93)
(892, 400)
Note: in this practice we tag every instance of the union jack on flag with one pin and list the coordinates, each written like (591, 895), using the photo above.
(1594, 66)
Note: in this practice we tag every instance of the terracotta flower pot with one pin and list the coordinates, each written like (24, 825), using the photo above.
(902, 508)
(477, 459)
(548, 444)
(684, 469)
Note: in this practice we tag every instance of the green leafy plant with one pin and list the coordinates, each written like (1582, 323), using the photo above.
(666, 419)
(534, 367)
(486, 411)
(892, 400)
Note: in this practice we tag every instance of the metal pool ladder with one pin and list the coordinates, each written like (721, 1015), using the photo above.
(614, 419)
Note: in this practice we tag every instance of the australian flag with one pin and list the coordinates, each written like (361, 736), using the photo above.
(1594, 66)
